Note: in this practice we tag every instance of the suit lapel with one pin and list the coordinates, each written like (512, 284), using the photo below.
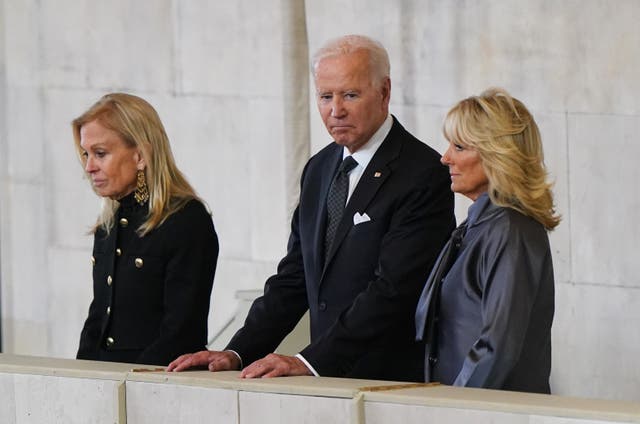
(372, 179)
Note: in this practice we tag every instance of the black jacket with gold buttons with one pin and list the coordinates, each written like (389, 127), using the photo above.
(151, 294)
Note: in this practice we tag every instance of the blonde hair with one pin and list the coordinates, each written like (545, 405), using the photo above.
(378, 57)
(139, 126)
(504, 133)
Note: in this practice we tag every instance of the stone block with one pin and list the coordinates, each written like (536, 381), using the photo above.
(8, 396)
(104, 44)
(270, 219)
(39, 399)
(24, 134)
(269, 408)
(179, 404)
(439, 52)
(593, 344)
(538, 419)
(69, 185)
(209, 138)
(22, 50)
(604, 199)
(214, 60)
(379, 413)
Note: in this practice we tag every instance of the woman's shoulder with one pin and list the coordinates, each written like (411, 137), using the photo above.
(190, 211)
(512, 226)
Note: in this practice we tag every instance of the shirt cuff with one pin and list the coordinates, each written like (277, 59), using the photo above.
(238, 355)
(308, 365)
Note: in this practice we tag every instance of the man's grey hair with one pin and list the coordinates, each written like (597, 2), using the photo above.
(378, 57)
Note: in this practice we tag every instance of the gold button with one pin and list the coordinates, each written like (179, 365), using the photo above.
(109, 280)
(139, 262)
(118, 251)
(110, 341)
(124, 222)
(108, 310)
(93, 261)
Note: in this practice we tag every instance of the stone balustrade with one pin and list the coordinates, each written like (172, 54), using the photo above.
(48, 390)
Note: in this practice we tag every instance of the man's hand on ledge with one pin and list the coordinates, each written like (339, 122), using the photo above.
(212, 359)
(274, 365)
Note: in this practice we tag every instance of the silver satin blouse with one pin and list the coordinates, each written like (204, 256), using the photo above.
(497, 304)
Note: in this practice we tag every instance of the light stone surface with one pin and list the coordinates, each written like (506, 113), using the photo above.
(536, 419)
(244, 61)
(604, 189)
(592, 346)
(48, 399)
(224, 78)
(265, 408)
(154, 403)
(60, 390)
(25, 298)
(381, 413)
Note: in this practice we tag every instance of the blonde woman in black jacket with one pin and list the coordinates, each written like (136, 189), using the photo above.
(155, 248)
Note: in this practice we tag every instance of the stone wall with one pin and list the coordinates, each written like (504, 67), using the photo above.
(230, 81)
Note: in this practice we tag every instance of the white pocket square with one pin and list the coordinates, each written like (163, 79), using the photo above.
(359, 219)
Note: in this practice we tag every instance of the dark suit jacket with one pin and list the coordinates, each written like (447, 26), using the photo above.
(152, 293)
(361, 304)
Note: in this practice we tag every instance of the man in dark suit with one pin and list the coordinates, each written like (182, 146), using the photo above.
(359, 269)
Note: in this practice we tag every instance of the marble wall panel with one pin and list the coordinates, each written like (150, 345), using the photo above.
(594, 342)
(21, 36)
(180, 404)
(334, 18)
(116, 44)
(210, 141)
(267, 198)
(268, 408)
(65, 26)
(24, 275)
(230, 48)
(604, 198)
(546, 51)
(24, 133)
(73, 206)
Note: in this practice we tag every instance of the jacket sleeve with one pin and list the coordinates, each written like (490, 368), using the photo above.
(90, 335)
(192, 253)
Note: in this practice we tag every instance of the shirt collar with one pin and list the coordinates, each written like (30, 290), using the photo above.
(364, 154)
(476, 208)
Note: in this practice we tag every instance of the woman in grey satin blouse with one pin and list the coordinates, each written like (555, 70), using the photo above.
(486, 311)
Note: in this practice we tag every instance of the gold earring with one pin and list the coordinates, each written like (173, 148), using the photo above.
(142, 191)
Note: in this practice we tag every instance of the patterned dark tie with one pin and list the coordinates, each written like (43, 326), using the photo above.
(336, 200)
(429, 302)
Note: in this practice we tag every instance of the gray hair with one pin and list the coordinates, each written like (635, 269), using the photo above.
(378, 57)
